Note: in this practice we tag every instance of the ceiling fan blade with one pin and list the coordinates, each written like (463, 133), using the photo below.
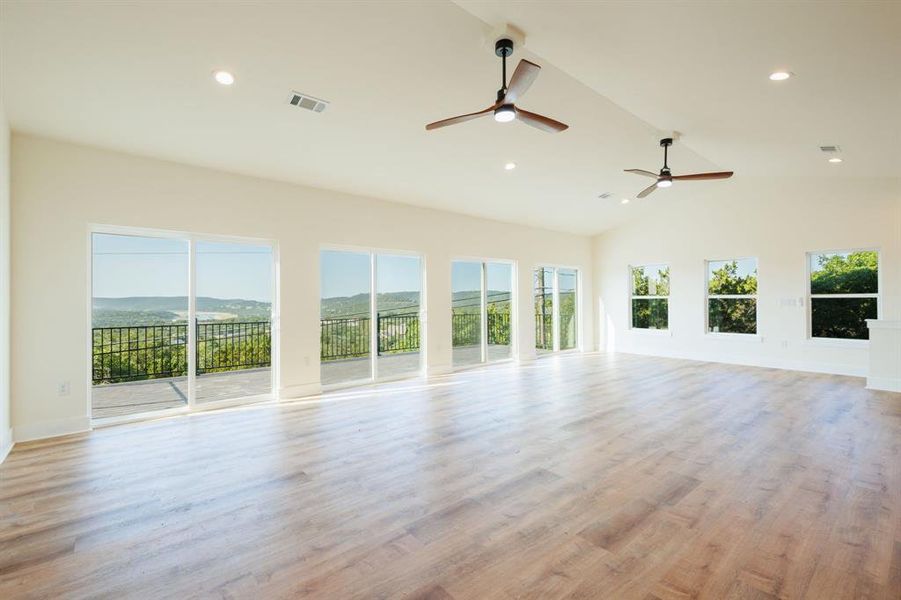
(541, 122)
(641, 172)
(522, 79)
(717, 175)
(647, 190)
(460, 119)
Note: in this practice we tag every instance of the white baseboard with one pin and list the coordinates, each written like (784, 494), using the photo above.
(54, 428)
(6, 443)
(764, 362)
(887, 384)
(301, 390)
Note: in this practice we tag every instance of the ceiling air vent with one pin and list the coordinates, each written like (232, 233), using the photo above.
(830, 149)
(308, 102)
(605, 195)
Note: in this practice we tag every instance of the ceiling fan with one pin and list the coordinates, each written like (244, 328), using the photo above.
(666, 179)
(504, 108)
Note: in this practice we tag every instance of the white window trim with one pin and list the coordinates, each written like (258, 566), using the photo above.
(632, 297)
(483, 342)
(841, 342)
(708, 297)
(555, 312)
(191, 238)
(373, 254)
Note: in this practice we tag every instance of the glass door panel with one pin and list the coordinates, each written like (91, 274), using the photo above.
(499, 284)
(567, 280)
(139, 317)
(398, 304)
(544, 310)
(233, 307)
(466, 312)
(345, 311)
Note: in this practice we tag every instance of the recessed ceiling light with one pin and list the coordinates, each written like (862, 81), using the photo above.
(223, 77)
(780, 75)
(624, 201)
(510, 166)
(835, 159)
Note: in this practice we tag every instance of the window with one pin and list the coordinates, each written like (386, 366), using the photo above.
(544, 310)
(650, 297)
(844, 292)
(556, 309)
(369, 316)
(159, 343)
(732, 296)
(481, 306)
(566, 294)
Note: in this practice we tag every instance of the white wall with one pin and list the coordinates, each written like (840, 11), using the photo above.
(59, 189)
(5, 419)
(776, 220)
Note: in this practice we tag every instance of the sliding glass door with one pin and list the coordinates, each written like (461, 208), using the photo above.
(139, 331)
(498, 310)
(345, 317)
(370, 315)
(169, 331)
(556, 309)
(545, 307)
(398, 306)
(466, 313)
(566, 296)
(234, 314)
(481, 307)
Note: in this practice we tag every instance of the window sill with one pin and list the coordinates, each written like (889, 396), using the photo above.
(740, 337)
(657, 332)
(837, 343)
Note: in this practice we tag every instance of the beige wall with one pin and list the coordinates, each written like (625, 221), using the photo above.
(60, 189)
(776, 220)
(5, 422)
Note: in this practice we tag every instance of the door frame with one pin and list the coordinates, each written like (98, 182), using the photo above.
(192, 239)
(373, 254)
(514, 309)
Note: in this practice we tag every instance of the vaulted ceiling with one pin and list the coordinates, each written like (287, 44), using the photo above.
(136, 77)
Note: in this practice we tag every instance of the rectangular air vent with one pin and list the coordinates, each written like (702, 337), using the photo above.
(605, 195)
(307, 102)
(830, 149)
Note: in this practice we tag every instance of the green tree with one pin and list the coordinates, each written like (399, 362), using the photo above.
(852, 273)
(732, 315)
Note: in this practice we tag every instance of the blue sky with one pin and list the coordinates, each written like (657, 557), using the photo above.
(143, 266)
(347, 273)
(746, 266)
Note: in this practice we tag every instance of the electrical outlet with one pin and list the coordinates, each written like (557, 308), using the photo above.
(62, 389)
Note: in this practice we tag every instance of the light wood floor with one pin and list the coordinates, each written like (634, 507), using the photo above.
(579, 476)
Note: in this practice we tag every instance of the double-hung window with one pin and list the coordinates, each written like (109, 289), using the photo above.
(732, 296)
(650, 297)
(843, 293)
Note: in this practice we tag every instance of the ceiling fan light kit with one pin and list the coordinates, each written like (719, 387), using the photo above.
(504, 109)
(665, 178)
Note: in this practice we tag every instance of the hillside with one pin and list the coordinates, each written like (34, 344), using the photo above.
(163, 310)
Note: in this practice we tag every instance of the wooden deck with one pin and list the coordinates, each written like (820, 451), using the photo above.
(120, 399)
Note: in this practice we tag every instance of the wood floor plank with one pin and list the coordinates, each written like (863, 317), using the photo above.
(576, 476)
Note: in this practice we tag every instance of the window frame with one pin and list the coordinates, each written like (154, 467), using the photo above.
(555, 314)
(632, 297)
(811, 297)
(514, 307)
(708, 296)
